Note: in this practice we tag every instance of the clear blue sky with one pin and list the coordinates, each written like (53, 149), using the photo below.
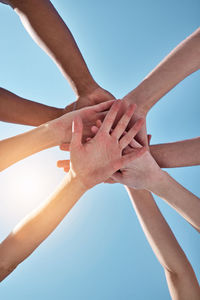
(99, 252)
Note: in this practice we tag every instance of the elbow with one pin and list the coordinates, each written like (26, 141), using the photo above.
(6, 269)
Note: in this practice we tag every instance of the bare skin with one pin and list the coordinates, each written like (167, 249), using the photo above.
(145, 173)
(178, 154)
(170, 155)
(48, 30)
(181, 279)
(91, 163)
(177, 65)
(27, 144)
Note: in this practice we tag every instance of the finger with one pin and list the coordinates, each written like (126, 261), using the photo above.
(110, 117)
(141, 137)
(134, 144)
(63, 163)
(98, 123)
(149, 136)
(94, 129)
(77, 132)
(136, 153)
(65, 147)
(67, 169)
(102, 115)
(123, 122)
(104, 106)
(127, 138)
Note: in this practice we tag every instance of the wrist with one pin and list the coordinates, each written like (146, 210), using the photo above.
(61, 128)
(142, 96)
(47, 136)
(55, 113)
(157, 181)
(76, 181)
(88, 86)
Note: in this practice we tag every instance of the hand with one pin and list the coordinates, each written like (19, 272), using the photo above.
(142, 173)
(100, 157)
(141, 137)
(61, 127)
(97, 96)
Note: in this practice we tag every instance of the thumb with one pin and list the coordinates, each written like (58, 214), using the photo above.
(65, 146)
(77, 132)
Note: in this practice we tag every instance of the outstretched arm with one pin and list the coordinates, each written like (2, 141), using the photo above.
(181, 279)
(91, 163)
(177, 154)
(48, 135)
(36, 227)
(144, 173)
(180, 63)
(15, 109)
(49, 31)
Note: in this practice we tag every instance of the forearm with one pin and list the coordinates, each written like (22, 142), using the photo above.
(181, 62)
(182, 200)
(156, 229)
(23, 145)
(15, 109)
(181, 279)
(177, 154)
(32, 231)
(47, 28)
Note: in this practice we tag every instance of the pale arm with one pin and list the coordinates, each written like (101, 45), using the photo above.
(182, 200)
(48, 135)
(181, 62)
(23, 145)
(90, 164)
(144, 173)
(177, 154)
(31, 232)
(15, 109)
(180, 276)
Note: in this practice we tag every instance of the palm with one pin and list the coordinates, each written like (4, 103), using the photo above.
(106, 149)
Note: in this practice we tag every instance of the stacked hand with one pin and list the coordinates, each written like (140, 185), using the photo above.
(96, 96)
(141, 172)
(61, 127)
(101, 156)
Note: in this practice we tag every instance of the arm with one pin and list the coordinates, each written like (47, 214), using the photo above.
(181, 279)
(144, 173)
(182, 200)
(91, 163)
(31, 232)
(178, 154)
(170, 155)
(181, 62)
(15, 109)
(48, 30)
(48, 135)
